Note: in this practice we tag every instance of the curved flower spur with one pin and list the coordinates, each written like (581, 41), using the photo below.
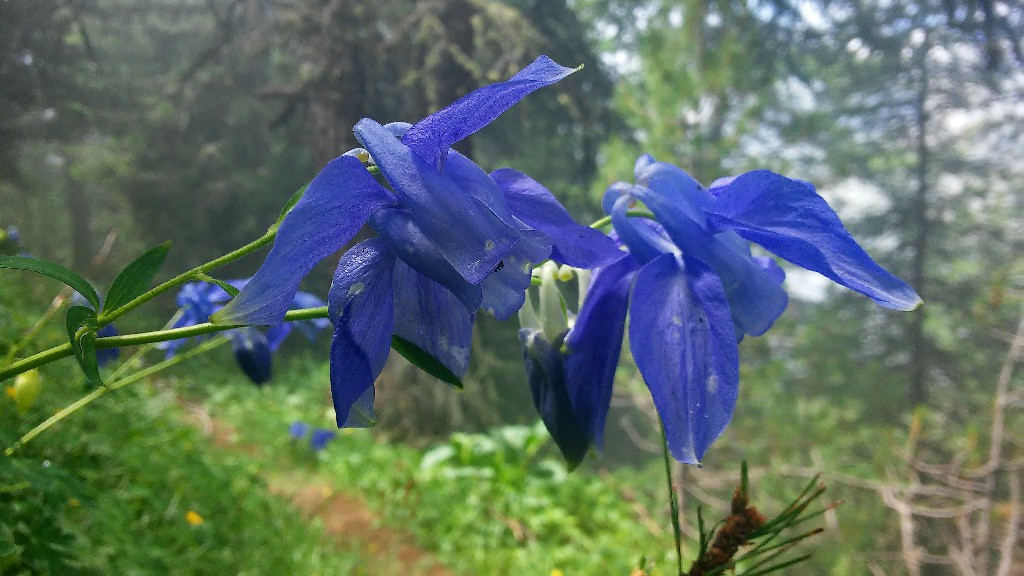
(451, 239)
(693, 289)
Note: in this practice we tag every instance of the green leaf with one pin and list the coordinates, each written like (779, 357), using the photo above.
(77, 317)
(136, 277)
(55, 271)
(81, 326)
(419, 358)
(289, 205)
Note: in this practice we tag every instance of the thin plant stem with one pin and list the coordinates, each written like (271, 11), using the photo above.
(100, 391)
(109, 316)
(673, 502)
(64, 350)
(607, 220)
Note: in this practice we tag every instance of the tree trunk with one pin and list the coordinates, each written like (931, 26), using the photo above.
(80, 219)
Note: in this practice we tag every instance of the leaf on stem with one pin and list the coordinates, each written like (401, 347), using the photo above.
(81, 326)
(55, 271)
(420, 359)
(135, 279)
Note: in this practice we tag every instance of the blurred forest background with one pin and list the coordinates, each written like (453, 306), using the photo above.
(125, 123)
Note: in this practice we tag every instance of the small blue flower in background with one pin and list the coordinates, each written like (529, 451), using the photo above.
(319, 438)
(693, 289)
(298, 429)
(451, 239)
(105, 356)
(251, 346)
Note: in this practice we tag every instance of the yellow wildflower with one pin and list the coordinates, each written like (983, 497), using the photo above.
(193, 518)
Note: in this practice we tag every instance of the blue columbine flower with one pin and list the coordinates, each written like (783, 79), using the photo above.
(693, 290)
(451, 239)
(252, 347)
(319, 438)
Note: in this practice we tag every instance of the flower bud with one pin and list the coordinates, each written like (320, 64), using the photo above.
(27, 387)
(252, 351)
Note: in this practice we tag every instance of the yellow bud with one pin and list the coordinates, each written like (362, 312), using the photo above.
(27, 387)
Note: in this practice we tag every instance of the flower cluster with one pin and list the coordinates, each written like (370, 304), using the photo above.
(252, 347)
(692, 290)
(452, 240)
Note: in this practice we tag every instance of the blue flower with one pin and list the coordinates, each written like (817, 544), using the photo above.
(105, 356)
(298, 429)
(451, 239)
(319, 438)
(693, 290)
(252, 348)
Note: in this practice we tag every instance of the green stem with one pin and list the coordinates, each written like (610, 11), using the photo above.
(673, 502)
(607, 220)
(90, 397)
(109, 316)
(64, 350)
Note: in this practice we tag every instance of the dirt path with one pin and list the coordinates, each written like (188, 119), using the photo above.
(346, 518)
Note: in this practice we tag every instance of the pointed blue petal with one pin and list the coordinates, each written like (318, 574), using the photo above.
(593, 345)
(361, 305)
(756, 299)
(335, 206)
(431, 317)
(791, 220)
(756, 296)
(276, 335)
(434, 135)
(405, 239)
(547, 384)
(646, 240)
(683, 342)
(504, 291)
(574, 244)
(670, 181)
(463, 228)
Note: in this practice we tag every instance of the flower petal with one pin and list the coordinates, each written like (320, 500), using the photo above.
(646, 240)
(464, 229)
(335, 206)
(547, 384)
(756, 298)
(404, 238)
(593, 345)
(576, 245)
(434, 135)
(791, 220)
(682, 339)
(504, 291)
(428, 315)
(276, 335)
(361, 305)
